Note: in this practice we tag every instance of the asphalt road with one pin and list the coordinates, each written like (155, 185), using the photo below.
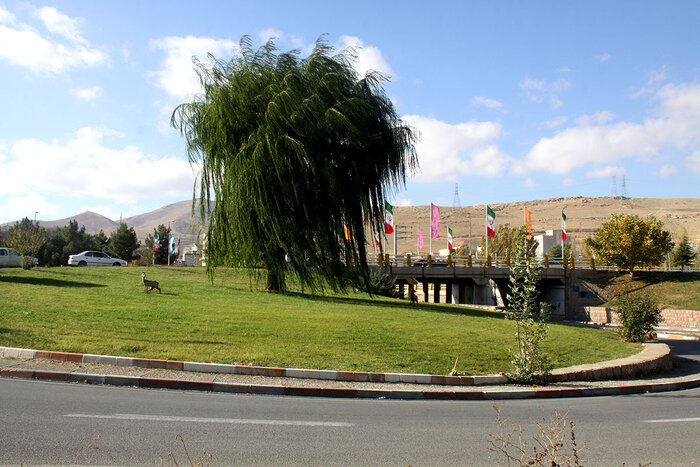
(53, 423)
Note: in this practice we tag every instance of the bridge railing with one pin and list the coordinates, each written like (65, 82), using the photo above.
(505, 262)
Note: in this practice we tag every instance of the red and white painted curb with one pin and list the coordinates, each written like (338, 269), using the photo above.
(692, 381)
(351, 376)
(207, 386)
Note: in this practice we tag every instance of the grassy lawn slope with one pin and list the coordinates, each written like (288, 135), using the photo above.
(676, 290)
(103, 311)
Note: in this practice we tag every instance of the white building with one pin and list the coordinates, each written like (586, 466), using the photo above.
(547, 240)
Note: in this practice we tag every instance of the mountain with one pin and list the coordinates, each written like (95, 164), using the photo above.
(92, 221)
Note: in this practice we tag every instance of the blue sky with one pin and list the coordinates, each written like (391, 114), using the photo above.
(513, 100)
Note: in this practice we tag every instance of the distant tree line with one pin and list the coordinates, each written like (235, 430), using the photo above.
(53, 246)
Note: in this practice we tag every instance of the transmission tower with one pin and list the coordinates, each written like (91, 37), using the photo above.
(623, 188)
(455, 202)
(613, 190)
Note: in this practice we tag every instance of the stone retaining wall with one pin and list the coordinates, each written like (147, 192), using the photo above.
(682, 319)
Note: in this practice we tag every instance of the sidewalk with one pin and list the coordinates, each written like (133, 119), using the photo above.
(136, 373)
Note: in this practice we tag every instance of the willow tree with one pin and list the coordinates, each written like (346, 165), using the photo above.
(292, 152)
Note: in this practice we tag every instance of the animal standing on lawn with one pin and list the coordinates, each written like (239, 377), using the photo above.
(149, 285)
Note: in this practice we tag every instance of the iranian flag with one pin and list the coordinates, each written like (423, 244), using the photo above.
(563, 226)
(156, 241)
(389, 219)
(490, 222)
(377, 239)
(449, 238)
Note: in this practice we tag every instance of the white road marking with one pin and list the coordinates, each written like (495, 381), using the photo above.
(233, 421)
(674, 420)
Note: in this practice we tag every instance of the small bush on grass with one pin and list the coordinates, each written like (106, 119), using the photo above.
(638, 315)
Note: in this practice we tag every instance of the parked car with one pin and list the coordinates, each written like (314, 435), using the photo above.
(10, 259)
(94, 258)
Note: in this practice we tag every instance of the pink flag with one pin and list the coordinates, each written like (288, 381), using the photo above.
(420, 238)
(434, 221)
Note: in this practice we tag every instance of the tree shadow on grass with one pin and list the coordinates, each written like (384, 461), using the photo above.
(48, 282)
(407, 306)
(643, 280)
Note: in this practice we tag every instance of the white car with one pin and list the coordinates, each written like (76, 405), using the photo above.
(10, 259)
(94, 258)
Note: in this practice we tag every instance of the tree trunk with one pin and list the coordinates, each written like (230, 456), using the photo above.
(275, 282)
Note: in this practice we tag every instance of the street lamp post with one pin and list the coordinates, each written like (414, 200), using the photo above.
(35, 213)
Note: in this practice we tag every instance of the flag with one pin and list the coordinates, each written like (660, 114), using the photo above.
(449, 238)
(171, 244)
(378, 240)
(490, 222)
(178, 246)
(389, 218)
(156, 241)
(347, 233)
(528, 223)
(434, 221)
(563, 226)
(528, 220)
(420, 238)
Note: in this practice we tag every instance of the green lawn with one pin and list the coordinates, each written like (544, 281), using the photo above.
(103, 311)
(673, 290)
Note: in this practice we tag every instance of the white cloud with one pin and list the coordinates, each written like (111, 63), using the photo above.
(87, 94)
(403, 202)
(369, 57)
(567, 182)
(598, 118)
(6, 17)
(605, 57)
(541, 90)
(605, 172)
(667, 170)
(19, 207)
(656, 79)
(59, 24)
(448, 150)
(84, 166)
(529, 183)
(176, 74)
(481, 101)
(676, 125)
(694, 161)
(557, 121)
(24, 46)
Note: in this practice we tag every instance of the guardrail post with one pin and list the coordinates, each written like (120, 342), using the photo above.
(546, 262)
(573, 263)
(488, 261)
(429, 260)
(380, 260)
(469, 260)
(592, 264)
(387, 260)
(408, 259)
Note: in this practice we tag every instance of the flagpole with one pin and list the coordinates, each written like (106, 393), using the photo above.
(487, 235)
(396, 227)
(562, 241)
(430, 238)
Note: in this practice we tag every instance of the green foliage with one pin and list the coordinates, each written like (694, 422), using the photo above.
(100, 242)
(123, 243)
(161, 256)
(293, 150)
(381, 283)
(26, 238)
(683, 255)
(530, 362)
(638, 314)
(629, 242)
(555, 251)
(505, 239)
(62, 243)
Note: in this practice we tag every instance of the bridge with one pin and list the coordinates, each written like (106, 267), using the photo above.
(568, 287)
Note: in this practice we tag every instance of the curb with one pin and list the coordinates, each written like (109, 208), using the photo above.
(231, 388)
(654, 358)
(301, 373)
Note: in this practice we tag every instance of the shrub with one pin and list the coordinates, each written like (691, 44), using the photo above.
(638, 315)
